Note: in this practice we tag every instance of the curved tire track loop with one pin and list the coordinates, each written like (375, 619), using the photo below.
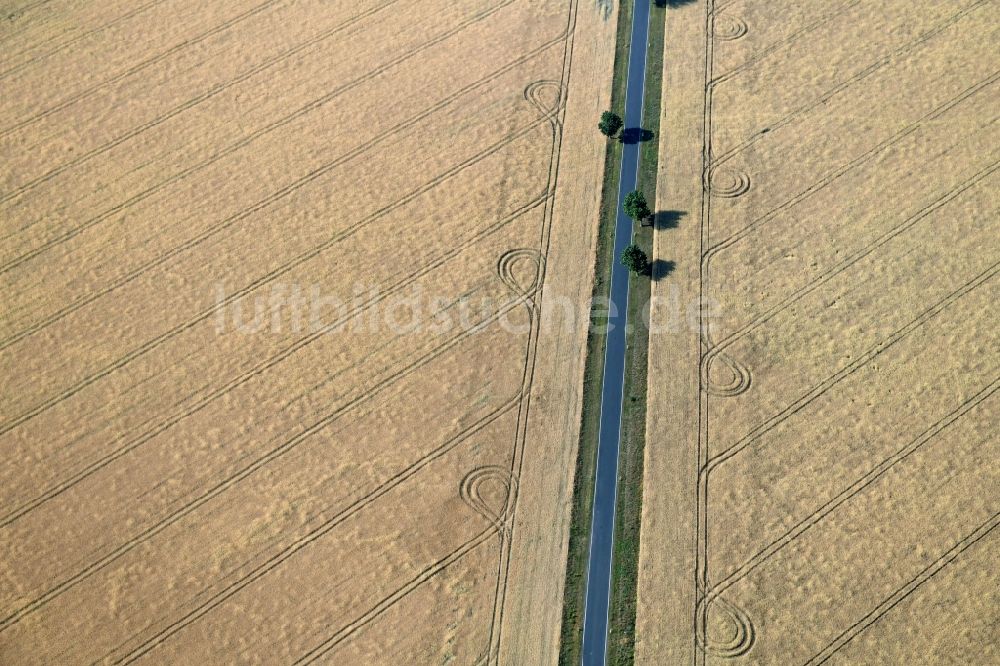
(471, 492)
(742, 637)
(177, 110)
(249, 470)
(741, 375)
(727, 183)
(727, 27)
(208, 312)
(851, 491)
(905, 591)
(135, 69)
(709, 594)
(536, 92)
(252, 137)
(507, 271)
(135, 11)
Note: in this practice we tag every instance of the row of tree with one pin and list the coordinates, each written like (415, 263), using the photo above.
(635, 203)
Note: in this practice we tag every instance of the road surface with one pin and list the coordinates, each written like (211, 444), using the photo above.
(595, 615)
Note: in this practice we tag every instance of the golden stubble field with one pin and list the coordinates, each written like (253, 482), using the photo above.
(272, 275)
(821, 459)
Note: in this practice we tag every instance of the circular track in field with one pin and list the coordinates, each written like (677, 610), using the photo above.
(490, 491)
(739, 379)
(521, 270)
(740, 635)
(727, 27)
(728, 183)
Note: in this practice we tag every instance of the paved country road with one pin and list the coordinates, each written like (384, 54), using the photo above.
(595, 616)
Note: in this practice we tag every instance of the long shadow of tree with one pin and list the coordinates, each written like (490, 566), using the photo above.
(668, 219)
(660, 268)
(673, 3)
(665, 219)
(635, 135)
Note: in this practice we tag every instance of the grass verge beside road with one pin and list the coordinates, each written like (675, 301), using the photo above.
(574, 596)
(625, 565)
(629, 504)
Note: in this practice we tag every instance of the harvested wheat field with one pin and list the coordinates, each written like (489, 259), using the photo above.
(821, 459)
(272, 279)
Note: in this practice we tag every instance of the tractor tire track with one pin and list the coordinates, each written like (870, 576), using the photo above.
(205, 314)
(699, 613)
(873, 352)
(822, 183)
(500, 524)
(532, 294)
(443, 563)
(189, 104)
(740, 30)
(844, 85)
(248, 470)
(65, 45)
(385, 604)
(905, 591)
(547, 203)
(853, 490)
(136, 442)
(250, 138)
(714, 349)
(709, 163)
(273, 562)
(754, 436)
(135, 69)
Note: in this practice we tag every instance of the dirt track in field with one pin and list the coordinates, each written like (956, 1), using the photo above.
(273, 277)
(821, 456)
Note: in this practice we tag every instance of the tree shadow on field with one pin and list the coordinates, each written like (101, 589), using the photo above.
(664, 219)
(660, 268)
(635, 135)
(668, 219)
(673, 3)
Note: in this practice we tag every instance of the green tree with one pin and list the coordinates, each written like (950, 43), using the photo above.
(635, 260)
(636, 206)
(610, 123)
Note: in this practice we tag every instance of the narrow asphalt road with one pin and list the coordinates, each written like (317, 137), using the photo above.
(595, 615)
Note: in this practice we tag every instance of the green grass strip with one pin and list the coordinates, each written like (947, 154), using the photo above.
(583, 485)
(628, 514)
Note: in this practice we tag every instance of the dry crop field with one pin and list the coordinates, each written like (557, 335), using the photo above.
(821, 470)
(247, 415)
